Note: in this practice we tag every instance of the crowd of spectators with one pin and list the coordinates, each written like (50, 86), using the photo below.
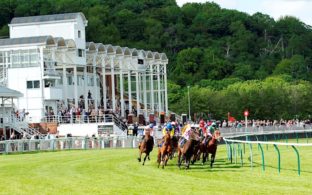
(264, 123)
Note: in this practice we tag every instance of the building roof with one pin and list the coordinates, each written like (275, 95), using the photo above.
(28, 40)
(47, 18)
(6, 92)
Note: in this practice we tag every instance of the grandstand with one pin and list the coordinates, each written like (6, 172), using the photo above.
(64, 79)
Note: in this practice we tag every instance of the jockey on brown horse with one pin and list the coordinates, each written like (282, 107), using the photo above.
(187, 145)
(165, 150)
(146, 145)
(209, 147)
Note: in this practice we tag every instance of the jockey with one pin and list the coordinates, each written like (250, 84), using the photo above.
(203, 128)
(168, 129)
(211, 129)
(147, 131)
(186, 135)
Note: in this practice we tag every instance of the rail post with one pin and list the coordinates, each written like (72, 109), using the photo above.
(241, 154)
(6, 147)
(227, 150)
(278, 158)
(266, 139)
(231, 153)
(262, 156)
(298, 158)
(235, 153)
(297, 137)
(274, 137)
(306, 134)
(251, 159)
(286, 139)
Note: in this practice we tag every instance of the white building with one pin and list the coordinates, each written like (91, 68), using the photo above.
(49, 61)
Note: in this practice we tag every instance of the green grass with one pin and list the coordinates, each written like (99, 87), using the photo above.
(116, 171)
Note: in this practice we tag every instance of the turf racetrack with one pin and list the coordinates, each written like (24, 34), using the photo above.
(116, 171)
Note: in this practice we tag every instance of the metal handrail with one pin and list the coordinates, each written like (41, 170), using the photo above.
(22, 127)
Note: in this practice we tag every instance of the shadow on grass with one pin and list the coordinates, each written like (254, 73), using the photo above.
(286, 169)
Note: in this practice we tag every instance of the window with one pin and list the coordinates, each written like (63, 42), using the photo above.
(33, 84)
(79, 34)
(140, 61)
(36, 84)
(80, 52)
(29, 84)
(70, 80)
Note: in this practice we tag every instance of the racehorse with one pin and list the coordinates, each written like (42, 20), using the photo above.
(175, 143)
(146, 146)
(187, 151)
(164, 151)
(209, 148)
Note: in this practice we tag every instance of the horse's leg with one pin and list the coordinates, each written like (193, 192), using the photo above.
(146, 154)
(204, 158)
(198, 155)
(166, 159)
(159, 158)
(212, 159)
(179, 159)
(193, 158)
(187, 162)
(162, 160)
(140, 154)
(213, 156)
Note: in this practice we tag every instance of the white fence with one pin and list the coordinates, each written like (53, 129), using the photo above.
(71, 143)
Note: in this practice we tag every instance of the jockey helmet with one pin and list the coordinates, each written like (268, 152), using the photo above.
(169, 126)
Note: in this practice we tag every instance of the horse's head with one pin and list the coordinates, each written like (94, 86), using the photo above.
(194, 135)
(217, 135)
(167, 137)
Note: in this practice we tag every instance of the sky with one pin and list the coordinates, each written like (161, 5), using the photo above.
(301, 9)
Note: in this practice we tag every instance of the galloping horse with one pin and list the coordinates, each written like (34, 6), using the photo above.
(175, 144)
(164, 151)
(146, 146)
(187, 151)
(209, 148)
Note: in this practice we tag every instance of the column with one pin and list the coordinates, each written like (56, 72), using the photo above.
(158, 82)
(65, 86)
(137, 91)
(113, 84)
(104, 83)
(166, 93)
(129, 92)
(95, 87)
(122, 102)
(41, 81)
(152, 87)
(75, 87)
(85, 95)
(144, 93)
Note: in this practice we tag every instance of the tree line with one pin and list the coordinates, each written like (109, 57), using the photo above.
(231, 60)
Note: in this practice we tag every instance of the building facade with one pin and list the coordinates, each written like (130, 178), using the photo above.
(49, 61)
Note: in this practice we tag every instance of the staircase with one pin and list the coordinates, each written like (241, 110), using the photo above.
(178, 117)
(119, 123)
(24, 128)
